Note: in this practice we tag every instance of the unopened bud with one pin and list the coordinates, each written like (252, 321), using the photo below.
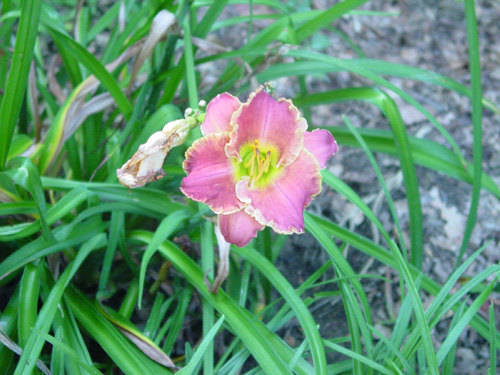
(202, 104)
(188, 112)
(270, 86)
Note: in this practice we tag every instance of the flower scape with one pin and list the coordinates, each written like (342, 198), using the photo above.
(256, 165)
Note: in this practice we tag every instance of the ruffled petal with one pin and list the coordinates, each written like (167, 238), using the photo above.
(281, 204)
(321, 144)
(239, 228)
(219, 113)
(210, 176)
(274, 124)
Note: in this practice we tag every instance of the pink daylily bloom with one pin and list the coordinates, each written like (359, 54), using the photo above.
(256, 165)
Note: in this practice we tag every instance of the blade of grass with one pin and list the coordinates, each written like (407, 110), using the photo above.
(387, 105)
(199, 354)
(8, 322)
(18, 74)
(207, 263)
(381, 180)
(104, 22)
(39, 248)
(201, 31)
(422, 324)
(178, 319)
(269, 351)
(189, 60)
(122, 352)
(28, 301)
(392, 348)
(24, 173)
(148, 199)
(383, 82)
(457, 330)
(302, 313)
(326, 17)
(357, 317)
(426, 153)
(56, 212)
(449, 361)
(116, 229)
(97, 69)
(493, 345)
(66, 349)
(367, 246)
(73, 338)
(380, 67)
(57, 356)
(166, 228)
(35, 343)
(477, 119)
(370, 363)
(130, 300)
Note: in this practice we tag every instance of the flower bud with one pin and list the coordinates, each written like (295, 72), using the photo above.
(146, 164)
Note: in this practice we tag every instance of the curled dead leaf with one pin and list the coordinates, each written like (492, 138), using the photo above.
(11, 345)
(162, 23)
(151, 350)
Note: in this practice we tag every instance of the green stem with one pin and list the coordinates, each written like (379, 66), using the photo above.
(207, 263)
(130, 300)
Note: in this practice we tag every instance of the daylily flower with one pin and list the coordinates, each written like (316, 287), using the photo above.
(256, 165)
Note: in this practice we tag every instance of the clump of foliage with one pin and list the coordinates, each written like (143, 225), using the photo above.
(99, 279)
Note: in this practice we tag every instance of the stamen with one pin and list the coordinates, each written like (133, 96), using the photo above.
(258, 164)
(268, 161)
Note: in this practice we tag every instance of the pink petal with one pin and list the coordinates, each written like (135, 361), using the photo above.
(281, 204)
(210, 176)
(219, 112)
(239, 228)
(321, 144)
(275, 124)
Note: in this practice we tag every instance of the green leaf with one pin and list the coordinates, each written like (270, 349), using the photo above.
(65, 238)
(477, 119)
(302, 313)
(18, 74)
(144, 344)
(166, 228)
(96, 68)
(56, 212)
(344, 65)
(122, 352)
(380, 67)
(269, 351)
(422, 323)
(370, 363)
(28, 301)
(35, 342)
(426, 153)
(493, 345)
(198, 355)
(326, 17)
(59, 345)
(387, 105)
(24, 173)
